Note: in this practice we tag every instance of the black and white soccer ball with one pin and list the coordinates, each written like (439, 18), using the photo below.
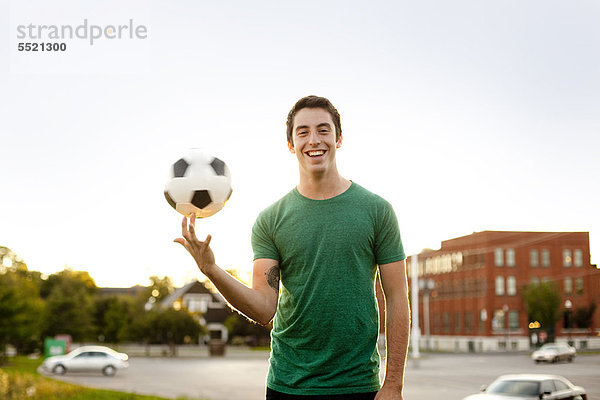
(198, 184)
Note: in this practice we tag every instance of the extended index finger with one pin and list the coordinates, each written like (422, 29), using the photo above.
(184, 227)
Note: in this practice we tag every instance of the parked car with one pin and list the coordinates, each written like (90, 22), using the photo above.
(87, 358)
(530, 386)
(554, 352)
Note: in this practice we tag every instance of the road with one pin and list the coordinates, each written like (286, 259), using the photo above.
(241, 375)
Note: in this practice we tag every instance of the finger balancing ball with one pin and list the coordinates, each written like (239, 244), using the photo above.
(199, 184)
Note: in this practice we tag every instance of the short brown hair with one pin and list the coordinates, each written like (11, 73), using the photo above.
(313, 102)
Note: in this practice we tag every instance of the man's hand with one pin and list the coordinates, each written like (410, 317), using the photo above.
(199, 250)
(387, 393)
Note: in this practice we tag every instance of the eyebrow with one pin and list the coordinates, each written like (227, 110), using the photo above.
(322, 124)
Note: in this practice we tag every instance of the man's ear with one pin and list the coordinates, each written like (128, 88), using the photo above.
(291, 148)
(339, 142)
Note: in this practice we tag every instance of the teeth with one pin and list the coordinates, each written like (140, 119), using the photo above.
(316, 153)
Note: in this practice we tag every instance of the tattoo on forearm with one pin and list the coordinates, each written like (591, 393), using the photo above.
(273, 277)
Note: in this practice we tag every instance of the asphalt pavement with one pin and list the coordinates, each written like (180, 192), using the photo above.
(240, 375)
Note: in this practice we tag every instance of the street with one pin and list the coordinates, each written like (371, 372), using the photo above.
(241, 375)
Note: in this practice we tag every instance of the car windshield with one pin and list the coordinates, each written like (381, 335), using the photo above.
(514, 388)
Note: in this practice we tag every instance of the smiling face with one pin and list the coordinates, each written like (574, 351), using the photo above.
(314, 141)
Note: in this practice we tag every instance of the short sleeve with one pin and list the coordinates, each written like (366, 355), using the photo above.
(388, 243)
(262, 242)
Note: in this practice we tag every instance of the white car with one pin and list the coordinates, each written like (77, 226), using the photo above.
(86, 359)
(554, 352)
(530, 387)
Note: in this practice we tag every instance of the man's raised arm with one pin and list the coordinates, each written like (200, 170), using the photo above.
(258, 302)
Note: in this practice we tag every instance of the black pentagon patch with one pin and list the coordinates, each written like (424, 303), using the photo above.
(201, 198)
(170, 200)
(179, 168)
(218, 166)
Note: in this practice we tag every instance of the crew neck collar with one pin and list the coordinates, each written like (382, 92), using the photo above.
(343, 194)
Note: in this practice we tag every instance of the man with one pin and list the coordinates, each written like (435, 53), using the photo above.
(323, 242)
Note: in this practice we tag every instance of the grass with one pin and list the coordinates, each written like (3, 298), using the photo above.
(19, 380)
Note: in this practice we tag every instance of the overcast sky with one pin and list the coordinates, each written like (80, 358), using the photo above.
(465, 115)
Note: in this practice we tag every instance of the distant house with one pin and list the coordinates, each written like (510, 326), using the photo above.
(211, 308)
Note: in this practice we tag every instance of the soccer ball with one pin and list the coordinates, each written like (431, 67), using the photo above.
(198, 184)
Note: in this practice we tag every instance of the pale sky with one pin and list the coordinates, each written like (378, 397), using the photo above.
(465, 115)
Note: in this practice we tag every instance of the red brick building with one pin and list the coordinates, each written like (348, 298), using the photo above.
(471, 288)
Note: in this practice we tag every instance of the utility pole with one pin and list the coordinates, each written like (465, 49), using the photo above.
(414, 300)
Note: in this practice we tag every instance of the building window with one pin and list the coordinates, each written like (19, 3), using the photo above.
(498, 257)
(568, 286)
(511, 286)
(567, 259)
(457, 322)
(534, 258)
(499, 286)
(510, 257)
(535, 280)
(545, 258)
(578, 258)
(469, 322)
(579, 285)
(498, 320)
(446, 322)
(513, 319)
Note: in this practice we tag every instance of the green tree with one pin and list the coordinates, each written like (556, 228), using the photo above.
(584, 315)
(69, 305)
(20, 303)
(543, 301)
(80, 280)
(166, 326)
(112, 318)
(160, 287)
(242, 329)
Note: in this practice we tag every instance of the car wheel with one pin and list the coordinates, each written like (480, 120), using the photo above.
(109, 370)
(537, 361)
(555, 360)
(59, 369)
(570, 359)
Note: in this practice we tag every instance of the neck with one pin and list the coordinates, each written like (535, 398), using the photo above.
(322, 187)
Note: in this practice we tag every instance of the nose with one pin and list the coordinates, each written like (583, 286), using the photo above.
(314, 138)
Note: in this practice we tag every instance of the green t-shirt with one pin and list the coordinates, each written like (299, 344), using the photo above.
(325, 330)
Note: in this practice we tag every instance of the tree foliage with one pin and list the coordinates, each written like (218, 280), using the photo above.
(543, 303)
(33, 307)
(159, 287)
(166, 326)
(69, 307)
(583, 316)
(113, 316)
(20, 303)
(245, 331)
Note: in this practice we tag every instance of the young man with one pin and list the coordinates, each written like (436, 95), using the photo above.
(323, 242)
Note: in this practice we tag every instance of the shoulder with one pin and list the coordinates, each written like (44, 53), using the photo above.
(279, 206)
(367, 197)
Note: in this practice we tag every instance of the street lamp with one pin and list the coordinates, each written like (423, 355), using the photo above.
(568, 307)
(426, 286)
(506, 324)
